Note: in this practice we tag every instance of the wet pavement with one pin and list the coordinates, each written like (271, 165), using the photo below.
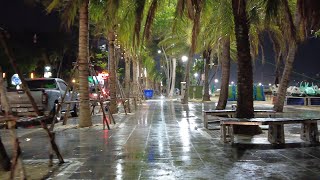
(166, 140)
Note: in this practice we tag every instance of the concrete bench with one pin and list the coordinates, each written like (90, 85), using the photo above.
(229, 113)
(308, 132)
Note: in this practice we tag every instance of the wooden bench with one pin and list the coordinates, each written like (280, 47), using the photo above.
(308, 132)
(229, 113)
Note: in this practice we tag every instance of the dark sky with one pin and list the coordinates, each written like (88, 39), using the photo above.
(16, 16)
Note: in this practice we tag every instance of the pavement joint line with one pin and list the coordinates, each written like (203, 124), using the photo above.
(70, 169)
(204, 133)
(297, 164)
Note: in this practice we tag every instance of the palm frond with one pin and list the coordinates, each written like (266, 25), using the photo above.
(139, 9)
(271, 9)
(150, 19)
(53, 5)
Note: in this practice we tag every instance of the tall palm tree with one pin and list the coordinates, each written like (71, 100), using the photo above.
(206, 57)
(225, 72)
(194, 9)
(297, 28)
(106, 18)
(83, 61)
(293, 40)
(245, 78)
(70, 9)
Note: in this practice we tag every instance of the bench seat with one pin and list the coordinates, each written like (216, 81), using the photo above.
(308, 132)
(229, 113)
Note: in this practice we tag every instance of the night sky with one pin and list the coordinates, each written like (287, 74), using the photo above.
(16, 16)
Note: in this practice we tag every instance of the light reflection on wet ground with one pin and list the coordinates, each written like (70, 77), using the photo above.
(166, 140)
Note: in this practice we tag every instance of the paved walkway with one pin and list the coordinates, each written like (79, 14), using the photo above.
(166, 140)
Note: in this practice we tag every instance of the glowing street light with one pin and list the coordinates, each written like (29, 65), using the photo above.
(184, 58)
(196, 75)
(47, 72)
(216, 80)
(159, 51)
(232, 82)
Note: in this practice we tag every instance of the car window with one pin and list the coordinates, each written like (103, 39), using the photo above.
(42, 83)
(63, 86)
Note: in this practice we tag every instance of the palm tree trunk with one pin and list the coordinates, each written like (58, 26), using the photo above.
(206, 56)
(278, 70)
(85, 116)
(112, 73)
(195, 33)
(225, 75)
(245, 79)
(135, 76)
(173, 76)
(127, 75)
(168, 83)
(293, 42)
(281, 95)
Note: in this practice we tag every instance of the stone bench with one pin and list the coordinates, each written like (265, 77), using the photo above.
(308, 132)
(228, 113)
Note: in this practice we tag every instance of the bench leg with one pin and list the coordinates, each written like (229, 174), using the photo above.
(205, 120)
(226, 132)
(230, 133)
(309, 132)
(276, 134)
(223, 132)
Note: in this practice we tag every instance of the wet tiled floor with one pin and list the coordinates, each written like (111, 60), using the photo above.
(166, 140)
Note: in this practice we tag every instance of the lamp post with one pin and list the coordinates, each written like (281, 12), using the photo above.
(183, 84)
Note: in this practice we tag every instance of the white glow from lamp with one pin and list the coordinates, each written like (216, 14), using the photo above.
(184, 58)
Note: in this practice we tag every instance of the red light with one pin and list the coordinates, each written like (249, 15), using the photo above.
(103, 75)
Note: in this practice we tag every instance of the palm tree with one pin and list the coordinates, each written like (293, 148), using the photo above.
(105, 16)
(112, 73)
(245, 79)
(83, 61)
(206, 57)
(225, 74)
(193, 9)
(297, 28)
(69, 13)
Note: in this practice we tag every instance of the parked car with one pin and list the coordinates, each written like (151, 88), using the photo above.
(46, 93)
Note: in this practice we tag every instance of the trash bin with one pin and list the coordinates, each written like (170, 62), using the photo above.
(148, 93)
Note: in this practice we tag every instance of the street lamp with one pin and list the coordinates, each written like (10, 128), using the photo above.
(216, 80)
(47, 72)
(196, 75)
(184, 58)
(159, 51)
